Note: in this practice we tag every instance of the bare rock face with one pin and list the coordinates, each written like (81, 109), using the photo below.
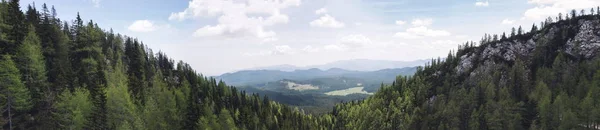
(585, 44)
(466, 63)
(509, 50)
(587, 41)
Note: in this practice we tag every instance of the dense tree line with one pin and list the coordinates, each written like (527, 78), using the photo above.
(57, 74)
(550, 89)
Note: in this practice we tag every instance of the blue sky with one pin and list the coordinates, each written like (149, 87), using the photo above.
(219, 36)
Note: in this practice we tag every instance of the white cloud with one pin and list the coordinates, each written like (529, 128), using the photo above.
(400, 22)
(309, 48)
(482, 3)
(349, 42)
(334, 47)
(230, 26)
(540, 13)
(355, 40)
(240, 18)
(442, 42)
(542, 1)
(327, 22)
(271, 39)
(420, 32)
(283, 49)
(507, 21)
(96, 3)
(444, 45)
(407, 35)
(545, 8)
(142, 26)
(422, 22)
(277, 50)
(321, 11)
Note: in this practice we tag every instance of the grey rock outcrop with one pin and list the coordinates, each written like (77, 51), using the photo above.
(584, 44)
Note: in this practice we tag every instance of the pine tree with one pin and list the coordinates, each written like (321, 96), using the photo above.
(95, 78)
(59, 66)
(226, 121)
(136, 69)
(17, 30)
(122, 112)
(495, 37)
(520, 31)
(90, 72)
(513, 32)
(560, 17)
(15, 100)
(72, 108)
(534, 28)
(33, 74)
(32, 16)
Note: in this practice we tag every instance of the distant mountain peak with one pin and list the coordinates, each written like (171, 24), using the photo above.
(348, 65)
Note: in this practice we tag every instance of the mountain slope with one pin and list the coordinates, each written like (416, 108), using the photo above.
(74, 75)
(247, 77)
(369, 65)
(545, 79)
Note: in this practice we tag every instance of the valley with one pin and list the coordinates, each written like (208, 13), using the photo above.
(345, 92)
(314, 90)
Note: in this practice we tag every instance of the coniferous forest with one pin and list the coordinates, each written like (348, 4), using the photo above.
(72, 74)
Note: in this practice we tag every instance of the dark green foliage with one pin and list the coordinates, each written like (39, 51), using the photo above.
(33, 74)
(16, 27)
(136, 60)
(15, 99)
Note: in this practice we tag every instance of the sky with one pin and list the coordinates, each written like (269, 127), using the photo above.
(220, 36)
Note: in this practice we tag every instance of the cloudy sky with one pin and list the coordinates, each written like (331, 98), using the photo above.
(218, 36)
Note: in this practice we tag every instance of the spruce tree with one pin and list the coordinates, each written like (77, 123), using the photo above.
(17, 30)
(534, 29)
(136, 69)
(88, 58)
(520, 31)
(32, 65)
(513, 32)
(59, 66)
(33, 74)
(15, 100)
(72, 108)
(32, 16)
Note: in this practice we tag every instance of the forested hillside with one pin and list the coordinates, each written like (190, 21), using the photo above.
(547, 78)
(57, 74)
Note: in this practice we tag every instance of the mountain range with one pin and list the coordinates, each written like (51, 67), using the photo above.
(354, 64)
(246, 77)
